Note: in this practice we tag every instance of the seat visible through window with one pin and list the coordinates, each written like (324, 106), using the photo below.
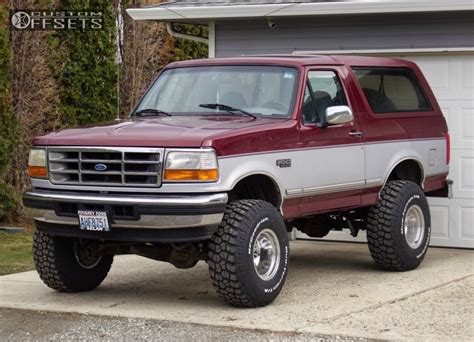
(323, 101)
(392, 90)
(323, 90)
(378, 102)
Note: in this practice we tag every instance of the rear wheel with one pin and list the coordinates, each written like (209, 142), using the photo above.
(248, 256)
(399, 227)
(69, 265)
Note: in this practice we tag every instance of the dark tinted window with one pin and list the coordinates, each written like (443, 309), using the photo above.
(390, 90)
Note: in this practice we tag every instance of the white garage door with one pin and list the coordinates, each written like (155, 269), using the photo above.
(452, 80)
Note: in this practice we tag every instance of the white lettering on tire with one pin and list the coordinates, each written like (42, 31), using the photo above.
(426, 244)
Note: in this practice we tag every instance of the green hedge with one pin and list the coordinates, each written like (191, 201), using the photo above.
(89, 73)
(8, 124)
(188, 49)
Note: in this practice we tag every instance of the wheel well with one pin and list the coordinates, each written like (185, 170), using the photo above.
(256, 187)
(409, 170)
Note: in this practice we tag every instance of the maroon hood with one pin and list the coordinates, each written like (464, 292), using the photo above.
(175, 131)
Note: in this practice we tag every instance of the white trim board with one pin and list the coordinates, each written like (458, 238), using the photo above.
(210, 12)
(422, 51)
(211, 47)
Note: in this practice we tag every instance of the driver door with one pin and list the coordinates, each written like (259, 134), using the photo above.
(332, 156)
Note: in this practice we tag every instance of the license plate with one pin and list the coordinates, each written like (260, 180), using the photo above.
(93, 220)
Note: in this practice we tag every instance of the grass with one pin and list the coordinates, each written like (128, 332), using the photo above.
(15, 252)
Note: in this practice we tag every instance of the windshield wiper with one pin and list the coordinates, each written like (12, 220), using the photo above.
(151, 111)
(227, 108)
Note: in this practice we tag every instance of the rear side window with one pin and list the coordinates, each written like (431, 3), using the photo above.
(392, 90)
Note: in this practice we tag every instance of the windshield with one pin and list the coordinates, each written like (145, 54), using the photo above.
(260, 90)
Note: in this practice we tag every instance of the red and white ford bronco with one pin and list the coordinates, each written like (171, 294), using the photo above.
(222, 157)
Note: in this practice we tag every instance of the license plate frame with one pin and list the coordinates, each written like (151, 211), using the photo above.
(93, 220)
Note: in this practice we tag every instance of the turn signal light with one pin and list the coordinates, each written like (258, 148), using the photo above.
(37, 163)
(191, 175)
(37, 171)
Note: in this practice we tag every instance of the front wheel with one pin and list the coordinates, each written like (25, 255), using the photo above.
(248, 255)
(399, 227)
(67, 264)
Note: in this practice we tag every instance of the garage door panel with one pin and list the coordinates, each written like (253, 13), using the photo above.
(467, 65)
(460, 224)
(437, 72)
(467, 177)
(462, 173)
(467, 127)
(467, 217)
(460, 119)
(439, 221)
(449, 77)
(452, 223)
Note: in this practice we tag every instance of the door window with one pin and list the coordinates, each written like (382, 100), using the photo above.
(323, 90)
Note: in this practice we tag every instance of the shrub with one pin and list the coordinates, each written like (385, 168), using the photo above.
(8, 126)
(89, 74)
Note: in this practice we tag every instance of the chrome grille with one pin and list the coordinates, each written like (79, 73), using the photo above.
(105, 166)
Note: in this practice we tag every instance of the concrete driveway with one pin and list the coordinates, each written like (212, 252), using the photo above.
(332, 289)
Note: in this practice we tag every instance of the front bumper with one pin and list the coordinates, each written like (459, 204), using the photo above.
(154, 217)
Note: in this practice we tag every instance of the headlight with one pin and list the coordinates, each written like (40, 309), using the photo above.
(191, 166)
(37, 163)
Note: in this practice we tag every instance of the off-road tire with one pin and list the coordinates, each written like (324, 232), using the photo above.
(385, 227)
(58, 267)
(230, 255)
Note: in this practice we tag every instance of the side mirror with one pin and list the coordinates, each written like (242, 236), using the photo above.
(336, 115)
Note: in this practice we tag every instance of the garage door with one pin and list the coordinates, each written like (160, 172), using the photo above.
(452, 80)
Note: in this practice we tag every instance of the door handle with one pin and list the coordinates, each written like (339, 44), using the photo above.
(356, 133)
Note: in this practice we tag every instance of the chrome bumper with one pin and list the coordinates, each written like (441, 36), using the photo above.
(153, 211)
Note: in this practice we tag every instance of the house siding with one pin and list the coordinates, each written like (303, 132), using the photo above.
(348, 32)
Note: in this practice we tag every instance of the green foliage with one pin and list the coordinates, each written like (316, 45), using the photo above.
(89, 71)
(85, 69)
(185, 49)
(8, 201)
(8, 124)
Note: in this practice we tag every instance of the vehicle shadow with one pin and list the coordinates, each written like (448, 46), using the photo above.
(150, 281)
(151, 285)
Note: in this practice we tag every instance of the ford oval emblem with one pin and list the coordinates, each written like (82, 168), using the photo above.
(100, 167)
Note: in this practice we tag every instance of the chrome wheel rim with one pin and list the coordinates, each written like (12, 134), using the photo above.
(266, 254)
(414, 227)
(86, 256)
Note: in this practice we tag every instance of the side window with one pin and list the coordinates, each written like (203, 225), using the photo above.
(323, 90)
(392, 90)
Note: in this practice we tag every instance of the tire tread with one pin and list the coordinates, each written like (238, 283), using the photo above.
(380, 227)
(224, 248)
(54, 271)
